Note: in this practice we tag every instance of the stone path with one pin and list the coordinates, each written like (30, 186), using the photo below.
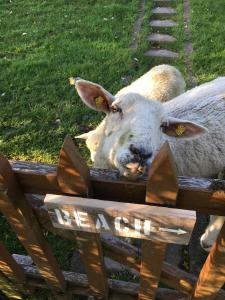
(164, 9)
(161, 22)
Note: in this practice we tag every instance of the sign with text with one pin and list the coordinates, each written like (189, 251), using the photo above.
(168, 225)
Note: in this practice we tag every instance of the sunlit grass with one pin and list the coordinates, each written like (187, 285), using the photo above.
(208, 36)
(42, 44)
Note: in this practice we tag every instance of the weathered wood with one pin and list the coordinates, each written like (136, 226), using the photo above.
(12, 270)
(19, 214)
(162, 184)
(7, 288)
(123, 253)
(126, 254)
(162, 189)
(73, 177)
(153, 254)
(72, 172)
(122, 219)
(91, 252)
(200, 194)
(170, 275)
(78, 283)
(212, 275)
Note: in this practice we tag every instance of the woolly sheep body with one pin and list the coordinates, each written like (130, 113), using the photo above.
(205, 105)
(203, 157)
(140, 125)
(163, 82)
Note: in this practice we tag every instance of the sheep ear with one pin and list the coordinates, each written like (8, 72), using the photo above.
(182, 129)
(85, 135)
(94, 95)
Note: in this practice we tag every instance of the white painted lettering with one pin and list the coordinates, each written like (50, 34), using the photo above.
(59, 216)
(81, 219)
(118, 227)
(139, 228)
(65, 219)
(147, 227)
(102, 223)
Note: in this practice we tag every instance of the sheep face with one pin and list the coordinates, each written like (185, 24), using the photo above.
(130, 135)
(132, 132)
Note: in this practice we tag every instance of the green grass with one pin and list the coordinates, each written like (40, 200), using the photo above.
(42, 44)
(208, 36)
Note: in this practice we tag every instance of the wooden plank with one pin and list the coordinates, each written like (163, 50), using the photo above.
(92, 255)
(72, 172)
(162, 184)
(123, 253)
(212, 275)
(127, 255)
(19, 214)
(199, 194)
(7, 288)
(162, 189)
(12, 270)
(153, 254)
(78, 283)
(73, 176)
(121, 219)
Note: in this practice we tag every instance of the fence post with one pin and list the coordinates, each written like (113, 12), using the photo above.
(73, 175)
(162, 188)
(19, 215)
(212, 275)
(13, 271)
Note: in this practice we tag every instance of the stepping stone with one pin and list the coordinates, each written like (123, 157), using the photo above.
(163, 11)
(163, 23)
(161, 53)
(161, 38)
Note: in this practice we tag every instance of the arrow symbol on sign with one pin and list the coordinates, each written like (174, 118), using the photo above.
(177, 231)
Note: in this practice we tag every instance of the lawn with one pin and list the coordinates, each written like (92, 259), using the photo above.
(43, 43)
(208, 36)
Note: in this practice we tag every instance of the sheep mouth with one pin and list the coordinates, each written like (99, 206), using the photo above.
(135, 171)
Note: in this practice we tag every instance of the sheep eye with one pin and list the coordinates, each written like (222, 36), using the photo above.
(115, 109)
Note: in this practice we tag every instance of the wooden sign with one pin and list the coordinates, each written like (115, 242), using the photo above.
(168, 225)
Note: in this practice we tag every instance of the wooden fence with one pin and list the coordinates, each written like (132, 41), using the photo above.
(21, 182)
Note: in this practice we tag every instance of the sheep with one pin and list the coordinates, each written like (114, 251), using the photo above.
(162, 83)
(135, 127)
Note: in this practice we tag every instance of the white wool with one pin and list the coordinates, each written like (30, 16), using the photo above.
(163, 82)
(204, 105)
(140, 122)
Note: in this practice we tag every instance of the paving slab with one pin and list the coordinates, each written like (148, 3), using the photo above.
(164, 11)
(163, 23)
(161, 38)
(161, 53)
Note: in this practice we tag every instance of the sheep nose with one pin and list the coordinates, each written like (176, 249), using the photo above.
(140, 153)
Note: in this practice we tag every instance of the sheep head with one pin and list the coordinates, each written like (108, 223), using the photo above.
(133, 130)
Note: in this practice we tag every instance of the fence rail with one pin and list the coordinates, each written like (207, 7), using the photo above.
(27, 215)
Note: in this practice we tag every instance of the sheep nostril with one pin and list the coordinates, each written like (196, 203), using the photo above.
(134, 149)
(141, 152)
